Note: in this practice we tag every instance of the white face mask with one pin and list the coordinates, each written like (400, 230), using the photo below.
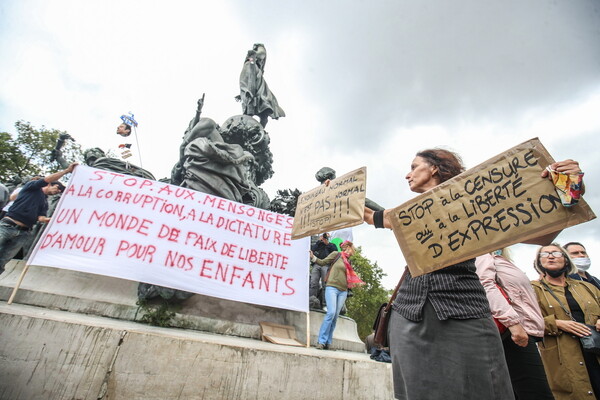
(582, 263)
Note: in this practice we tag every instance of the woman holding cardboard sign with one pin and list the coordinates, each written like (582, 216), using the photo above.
(338, 280)
(443, 341)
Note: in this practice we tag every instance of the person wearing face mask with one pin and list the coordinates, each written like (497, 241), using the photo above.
(580, 258)
(570, 308)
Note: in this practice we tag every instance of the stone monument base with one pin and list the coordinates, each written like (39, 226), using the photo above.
(54, 354)
(86, 293)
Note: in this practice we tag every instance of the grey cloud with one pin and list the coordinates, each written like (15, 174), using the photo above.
(406, 63)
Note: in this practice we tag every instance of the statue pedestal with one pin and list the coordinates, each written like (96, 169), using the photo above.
(84, 293)
(53, 354)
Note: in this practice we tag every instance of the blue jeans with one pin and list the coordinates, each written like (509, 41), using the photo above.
(11, 241)
(335, 299)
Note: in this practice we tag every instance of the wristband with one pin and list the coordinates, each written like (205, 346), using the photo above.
(378, 219)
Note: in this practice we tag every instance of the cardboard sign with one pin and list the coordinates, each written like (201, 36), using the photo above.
(498, 203)
(279, 334)
(133, 228)
(327, 208)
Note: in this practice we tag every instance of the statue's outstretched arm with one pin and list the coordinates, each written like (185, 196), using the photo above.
(57, 154)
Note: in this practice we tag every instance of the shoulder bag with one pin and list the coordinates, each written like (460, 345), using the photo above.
(504, 332)
(337, 257)
(383, 317)
(590, 343)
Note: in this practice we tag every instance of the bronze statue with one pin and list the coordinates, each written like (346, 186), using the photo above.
(324, 174)
(96, 158)
(228, 162)
(210, 165)
(255, 95)
(285, 201)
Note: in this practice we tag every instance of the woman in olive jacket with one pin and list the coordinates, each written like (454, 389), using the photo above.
(336, 289)
(572, 373)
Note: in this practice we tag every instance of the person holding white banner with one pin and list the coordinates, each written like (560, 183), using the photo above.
(29, 207)
(339, 278)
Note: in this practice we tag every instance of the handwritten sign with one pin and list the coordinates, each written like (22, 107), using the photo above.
(138, 229)
(500, 202)
(339, 205)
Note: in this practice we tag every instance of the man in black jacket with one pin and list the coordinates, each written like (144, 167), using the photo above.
(321, 249)
(30, 206)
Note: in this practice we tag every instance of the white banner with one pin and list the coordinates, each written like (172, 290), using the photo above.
(133, 228)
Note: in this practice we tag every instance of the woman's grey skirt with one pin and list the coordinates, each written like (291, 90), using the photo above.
(451, 359)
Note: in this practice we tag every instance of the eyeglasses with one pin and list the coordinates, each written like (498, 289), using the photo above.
(555, 254)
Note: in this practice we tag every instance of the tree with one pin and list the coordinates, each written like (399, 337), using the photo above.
(367, 299)
(29, 151)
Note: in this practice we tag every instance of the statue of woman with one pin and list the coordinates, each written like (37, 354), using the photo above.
(255, 95)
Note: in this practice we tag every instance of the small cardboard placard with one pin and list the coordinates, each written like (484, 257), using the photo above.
(279, 334)
(498, 203)
(339, 205)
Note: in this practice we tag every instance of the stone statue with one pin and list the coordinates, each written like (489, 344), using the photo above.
(14, 182)
(255, 95)
(229, 162)
(96, 158)
(210, 165)
(250, 135)
(326, 173)
(285, 201)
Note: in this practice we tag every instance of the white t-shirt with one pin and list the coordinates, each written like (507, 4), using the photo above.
(16, 193)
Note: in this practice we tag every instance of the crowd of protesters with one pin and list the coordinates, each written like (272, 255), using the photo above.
(444, 342)
(477, 329)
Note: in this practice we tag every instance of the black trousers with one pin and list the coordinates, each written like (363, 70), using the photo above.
(526, 371)
(593, 369)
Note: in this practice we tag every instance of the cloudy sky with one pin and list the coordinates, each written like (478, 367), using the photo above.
(362, 84)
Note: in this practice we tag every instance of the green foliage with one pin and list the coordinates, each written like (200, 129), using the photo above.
(364, 305)
(29, 151)
(160, 315)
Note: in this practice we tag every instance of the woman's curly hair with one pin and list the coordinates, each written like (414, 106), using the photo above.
(448, 163)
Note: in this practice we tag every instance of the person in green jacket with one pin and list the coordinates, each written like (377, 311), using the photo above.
(336, 289)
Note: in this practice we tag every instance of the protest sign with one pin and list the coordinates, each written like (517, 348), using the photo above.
(133, 228)
(498, 203)
(339, 205)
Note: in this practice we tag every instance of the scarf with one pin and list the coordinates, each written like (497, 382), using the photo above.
(351, 276)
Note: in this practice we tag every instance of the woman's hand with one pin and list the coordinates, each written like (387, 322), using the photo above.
(569, 167)
(573, 327)
(598, 325)
(518, 335)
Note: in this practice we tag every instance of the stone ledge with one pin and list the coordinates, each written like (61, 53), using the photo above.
(84, 293)
(63, 355)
